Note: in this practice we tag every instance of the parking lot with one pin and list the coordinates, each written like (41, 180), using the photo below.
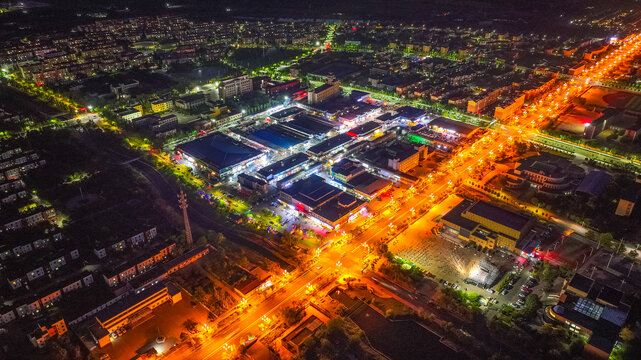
(446, 262)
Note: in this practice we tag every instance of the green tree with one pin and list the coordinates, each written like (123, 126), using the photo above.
(292, 315)
(190, 325)
(590, 234)
(606, 239)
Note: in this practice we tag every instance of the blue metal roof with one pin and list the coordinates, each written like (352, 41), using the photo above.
(218, 150)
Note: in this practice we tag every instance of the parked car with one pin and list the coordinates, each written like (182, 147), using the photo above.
(491, 291)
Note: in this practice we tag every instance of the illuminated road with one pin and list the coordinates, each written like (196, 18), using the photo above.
(444, 182)
(294, 290)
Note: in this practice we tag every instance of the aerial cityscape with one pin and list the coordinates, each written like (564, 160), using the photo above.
(320, 180)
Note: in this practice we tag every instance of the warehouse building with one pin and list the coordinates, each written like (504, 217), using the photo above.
(219, 154)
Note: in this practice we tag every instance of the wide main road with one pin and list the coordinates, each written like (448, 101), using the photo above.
(587, 152)
(332, 262)
(445, 181)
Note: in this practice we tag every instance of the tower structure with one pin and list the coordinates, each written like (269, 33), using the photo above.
(182, 203)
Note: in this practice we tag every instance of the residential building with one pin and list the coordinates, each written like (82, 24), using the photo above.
(161, 105)
(235, 87)
(129, 114)
(190, 102)
(331, 88)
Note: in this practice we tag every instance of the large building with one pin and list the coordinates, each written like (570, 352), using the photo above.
(399, 156)
(355, 178)
(310, 126)
(592, 309)
(330, 88)
(547, 173)
(219, 153)
(330, 146)
(487, 225)
(235, 87)
(134, 308)
(278, 137)
(285, 167)
(190, 102)
(329, 204)
(129, 114)
(452, 127)
(161, 105)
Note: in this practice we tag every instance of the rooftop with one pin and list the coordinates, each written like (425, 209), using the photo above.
(455, 215)
(286, 112)
(581, 283)
(499, 215)
(312, 191)
(368, 183)
(365, 128)
(218, 150)
(339, 206)
(283, 165)
(410, 113)
(277, 137)
(310, 125)
(330, 144)
(453, 125)
(129, 301)
(594, 183)
(346, 167)
(549, 165)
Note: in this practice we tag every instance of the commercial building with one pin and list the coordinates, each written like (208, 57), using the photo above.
(310, 126)
(366, 130)
(399, 156)
(452, 127)
(345, 170)
(235, 87)
(275, 88)
(278, 137)
(330, 146)
(592, 309)
(410, 114)
(487, 225)
(219, 153)
(286, 114)
(357, 113)
(547, 173)
(285, 167)
(330, 205)
(251, 183)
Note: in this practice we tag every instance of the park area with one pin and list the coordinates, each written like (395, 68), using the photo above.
(259, 57)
